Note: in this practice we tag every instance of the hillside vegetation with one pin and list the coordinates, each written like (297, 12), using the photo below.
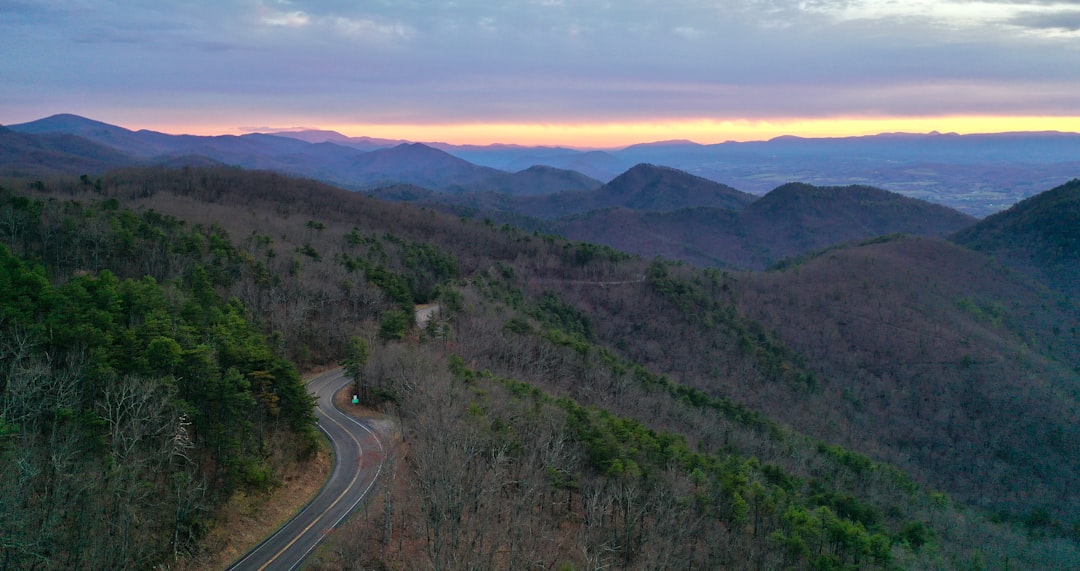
(134, 398)
(1039, 236)
(576, 406)
(790, 220)
(943, 345)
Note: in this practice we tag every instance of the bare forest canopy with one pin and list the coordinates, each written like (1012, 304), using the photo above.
(899, 403)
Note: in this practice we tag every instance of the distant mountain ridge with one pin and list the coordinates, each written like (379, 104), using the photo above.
(325, 136)
(415, 163)
(978, 174)
(642, 188)
(661, 211)
(410, 163)
(648, 209)
(23, 154)
(539, 180)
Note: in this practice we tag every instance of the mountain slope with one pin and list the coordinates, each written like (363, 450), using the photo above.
(926, 348)
(1039, 236)
(660, 189)
(701, 236)
(25, 154)
(798, 217)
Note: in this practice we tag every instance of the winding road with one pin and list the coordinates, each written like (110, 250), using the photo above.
(358, 462)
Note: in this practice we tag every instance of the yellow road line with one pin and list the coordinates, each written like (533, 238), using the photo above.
(332, 504)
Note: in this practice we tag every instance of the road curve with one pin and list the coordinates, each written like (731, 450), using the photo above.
(424, 313)
(358, 461)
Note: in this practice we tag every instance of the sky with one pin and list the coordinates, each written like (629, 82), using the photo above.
(586, 73)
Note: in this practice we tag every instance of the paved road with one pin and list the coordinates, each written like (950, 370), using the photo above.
(424, 313)
(358, 460)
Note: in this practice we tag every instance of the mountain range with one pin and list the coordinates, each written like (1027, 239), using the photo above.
(648, 209)
(977, 174)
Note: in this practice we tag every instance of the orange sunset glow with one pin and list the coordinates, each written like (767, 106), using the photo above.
(621, 134)
(705, 131)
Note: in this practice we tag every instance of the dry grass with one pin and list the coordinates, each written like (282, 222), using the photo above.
(247, 519)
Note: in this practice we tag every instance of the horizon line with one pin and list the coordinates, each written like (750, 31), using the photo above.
(616, 136)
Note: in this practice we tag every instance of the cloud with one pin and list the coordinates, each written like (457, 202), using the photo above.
(487, 24)
(688, 32)
(953, 14)
(294, 19)
(1065, 21)
(542, 60)
(371, 29)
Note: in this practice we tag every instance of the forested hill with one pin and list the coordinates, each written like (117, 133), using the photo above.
(791, 220)
(571, 406)
(1039, 236)
(645, 188)
(130, 405)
